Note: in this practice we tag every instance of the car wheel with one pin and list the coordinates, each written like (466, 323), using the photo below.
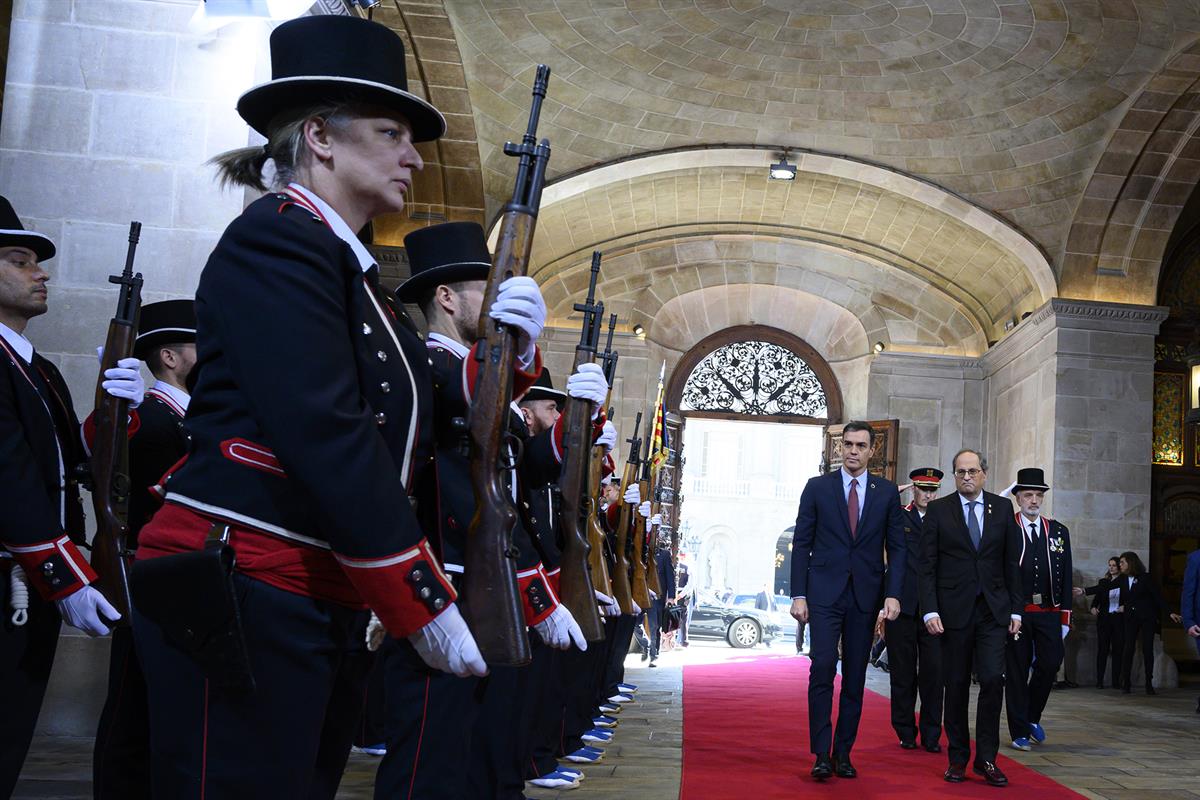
(743, 632)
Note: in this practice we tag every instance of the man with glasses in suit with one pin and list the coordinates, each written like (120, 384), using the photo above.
(970, 586)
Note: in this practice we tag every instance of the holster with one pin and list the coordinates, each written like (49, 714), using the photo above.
(191, 597)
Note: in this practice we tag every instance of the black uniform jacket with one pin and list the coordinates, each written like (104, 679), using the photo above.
(40, 449)
(954, 573)
(1056, 551)
(311, 417)
(158, 444)
(910, 595)
(455, 496)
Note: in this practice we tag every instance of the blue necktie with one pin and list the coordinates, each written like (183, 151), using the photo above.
(973, 524)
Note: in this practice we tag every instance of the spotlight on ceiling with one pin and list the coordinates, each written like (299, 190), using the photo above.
(879, 347)
(783, 171)
(638, 330)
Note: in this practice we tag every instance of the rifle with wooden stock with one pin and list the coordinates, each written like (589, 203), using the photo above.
(109, 464)
(597, 561)
(646, 487)
(490, 602)
(622, 587)
(575, 582)
(637, 532)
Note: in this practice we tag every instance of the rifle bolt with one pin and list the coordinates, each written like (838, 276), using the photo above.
(366, 329)
(425, 592)
(385, 387)
(380, 418)
(382, 356)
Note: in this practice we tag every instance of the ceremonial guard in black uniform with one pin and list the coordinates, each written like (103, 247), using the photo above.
(448, 737)
(166, 341)
(45, 577)
(915, 655)
(1036, 654)
(310, 429)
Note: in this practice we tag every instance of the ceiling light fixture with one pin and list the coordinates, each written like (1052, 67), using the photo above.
(879, 347)
(783, 171)
(638, 330)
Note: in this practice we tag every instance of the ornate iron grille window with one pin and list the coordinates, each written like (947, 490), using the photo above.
(755, 378)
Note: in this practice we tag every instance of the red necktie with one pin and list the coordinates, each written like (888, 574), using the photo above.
(852, 503)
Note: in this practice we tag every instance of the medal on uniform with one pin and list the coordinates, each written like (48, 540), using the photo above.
(1037, 598)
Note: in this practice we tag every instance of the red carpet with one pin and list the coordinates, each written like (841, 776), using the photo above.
(745, 736)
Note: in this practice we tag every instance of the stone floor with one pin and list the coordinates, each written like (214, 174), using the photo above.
(1103, 744)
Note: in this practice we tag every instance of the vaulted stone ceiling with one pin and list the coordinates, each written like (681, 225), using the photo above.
(1006, 110)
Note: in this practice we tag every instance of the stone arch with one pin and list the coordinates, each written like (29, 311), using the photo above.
(1135, 195)
(683, 369)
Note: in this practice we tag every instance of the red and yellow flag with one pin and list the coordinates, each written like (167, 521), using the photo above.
(659, 445)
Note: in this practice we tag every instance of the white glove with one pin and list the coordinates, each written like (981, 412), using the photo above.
(608, 437)
(653, 594)
(87, 610)
(587, 383)
(633, 494)
(636, 608)
(644, 509)
(124, 380)
(447, 644)
(375, 633)
(1065, 630)
(656, 519)
(560, 630)
(519, 303)
(608, 605)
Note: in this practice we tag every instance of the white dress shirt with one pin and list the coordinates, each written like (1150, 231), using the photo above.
(18, 342)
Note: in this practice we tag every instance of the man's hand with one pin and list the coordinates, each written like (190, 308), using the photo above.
(891, 608)
(1095, 612)
(934, 625)
(1014, 627)
(1177, 619)
(1194, 631)
(879, 629)
(1078, 591)
(799, 610)
(446, 643)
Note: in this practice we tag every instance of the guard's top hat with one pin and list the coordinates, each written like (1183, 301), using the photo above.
(338, 58)
(926, 477)
(13, 234)
(168, 322)
(445, 253)
(543, 389)
(1030, 478)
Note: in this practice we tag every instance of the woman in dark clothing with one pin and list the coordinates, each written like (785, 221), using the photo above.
(1108, 606)
(1143, 605)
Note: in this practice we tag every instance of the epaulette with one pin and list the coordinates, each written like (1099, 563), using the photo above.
(287, 201)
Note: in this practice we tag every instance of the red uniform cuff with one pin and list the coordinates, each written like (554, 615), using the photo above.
(538, 597)
(54, 567)
(89, 427)
(1065, 617)
(405, 590)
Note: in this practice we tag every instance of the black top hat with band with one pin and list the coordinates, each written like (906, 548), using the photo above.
(13, 234)
(543, 389)
(1031, 478)
(446, 253)
(338, 58)
(926, 477)
(168, 322)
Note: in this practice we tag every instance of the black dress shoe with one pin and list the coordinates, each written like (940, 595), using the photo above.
(843, 768)
(956, 773)
(908, 744)
(991, 773)
(823, 768)
(933, 747)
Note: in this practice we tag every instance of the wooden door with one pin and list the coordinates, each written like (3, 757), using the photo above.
(883, 462)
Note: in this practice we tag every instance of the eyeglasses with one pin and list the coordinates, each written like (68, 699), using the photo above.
(967, 473)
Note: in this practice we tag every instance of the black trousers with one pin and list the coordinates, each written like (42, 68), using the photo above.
(1137, 630)
(615, 667)
(372, 725)
(550, 700)
(914, 665)
(291, 736)
(1110, 642)
(842, 621)
(1032, 663)
(654, 616)
(430, 717)
(978, 646)
(494, 762)
(121, 757)
(26, 656)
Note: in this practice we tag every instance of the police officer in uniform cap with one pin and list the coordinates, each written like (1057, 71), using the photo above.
(166, 341)
(914, 655)
(45, 578)
(311, 427)
(1035, 656)
(446, 737)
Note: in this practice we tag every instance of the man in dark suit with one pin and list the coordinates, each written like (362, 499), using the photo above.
(971, 597)
(914, 654)
(1189, 601)
(846, 519)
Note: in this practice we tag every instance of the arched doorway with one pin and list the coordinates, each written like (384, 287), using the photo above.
(753, 404)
